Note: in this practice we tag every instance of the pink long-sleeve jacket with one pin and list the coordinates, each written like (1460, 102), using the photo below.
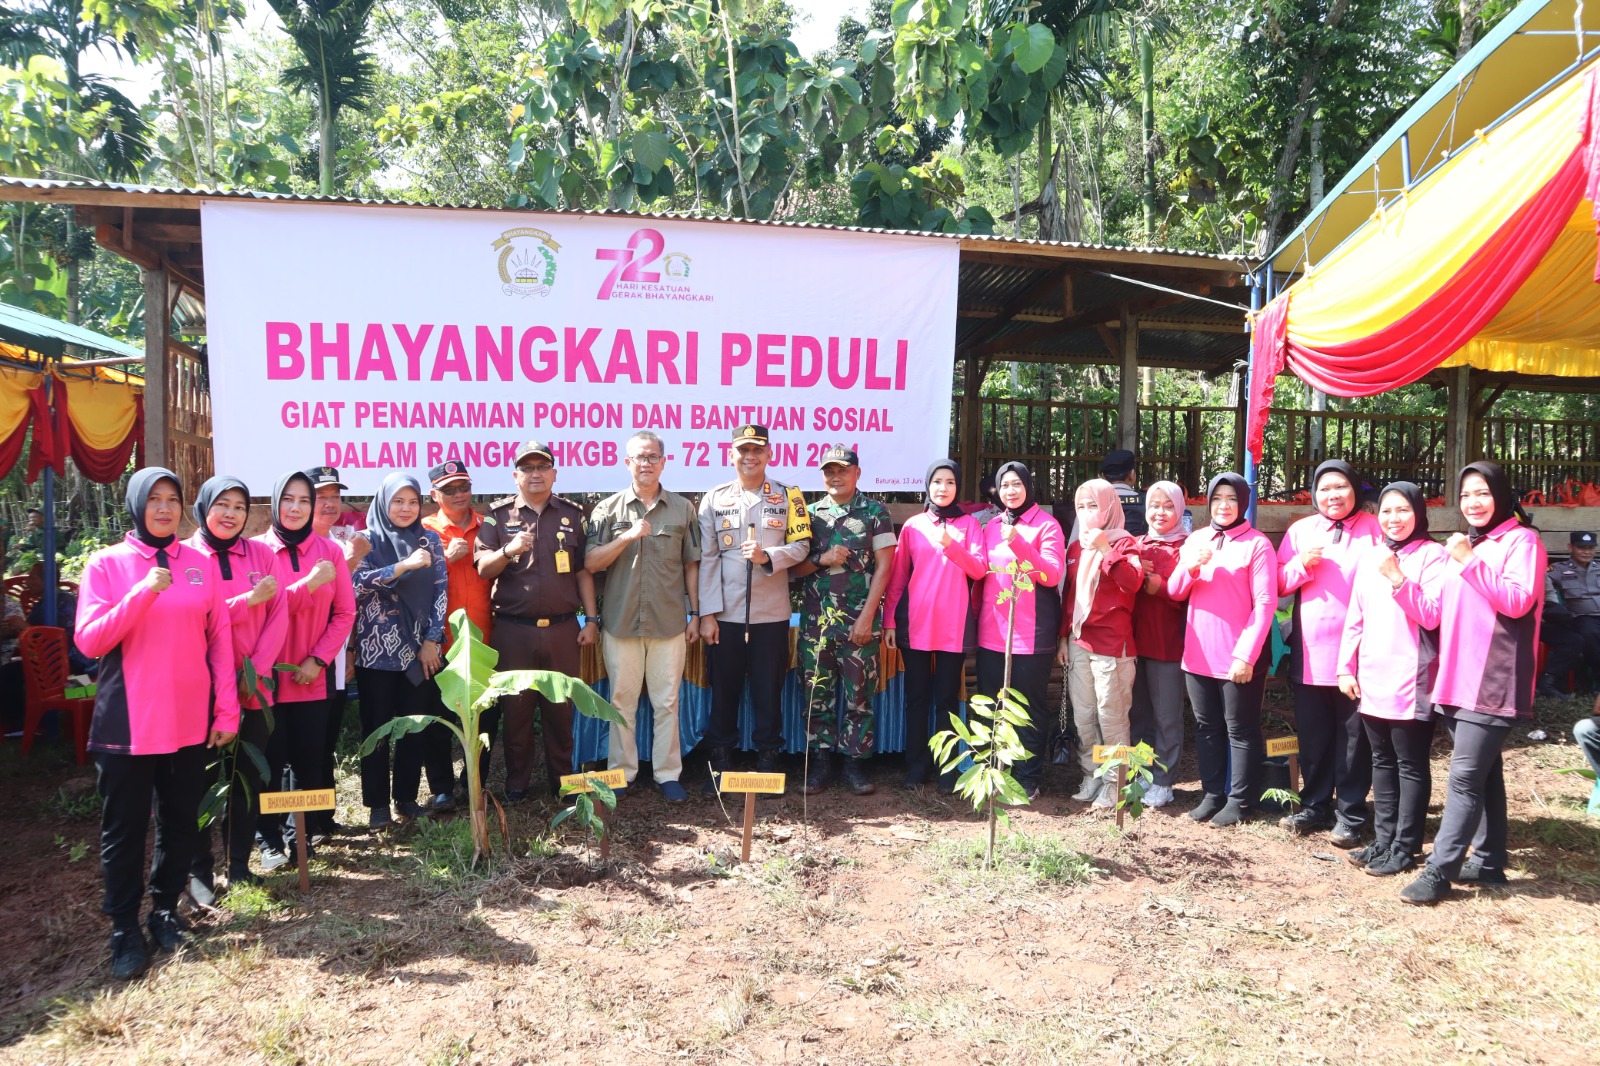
(1041, 545)
(319, 621)
(1231, 601)
(1489, 625)
(259, 631)
(1321, 592)
(1391, 635)
(166, 658)
(930, 588)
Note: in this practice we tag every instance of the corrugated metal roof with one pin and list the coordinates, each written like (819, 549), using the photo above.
(250, 194)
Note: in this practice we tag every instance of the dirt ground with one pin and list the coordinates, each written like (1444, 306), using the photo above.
(871, 938)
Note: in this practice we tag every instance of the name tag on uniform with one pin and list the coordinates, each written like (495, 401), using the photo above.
(774, 523)
(563, 562)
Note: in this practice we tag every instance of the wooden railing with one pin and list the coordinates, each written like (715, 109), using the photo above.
(188, 415)
(1541, 454)
(1382, 448)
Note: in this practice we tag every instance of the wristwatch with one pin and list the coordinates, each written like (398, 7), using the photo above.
(320, 662)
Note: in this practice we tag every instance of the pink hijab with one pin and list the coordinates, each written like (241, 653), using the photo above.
(1107, 518)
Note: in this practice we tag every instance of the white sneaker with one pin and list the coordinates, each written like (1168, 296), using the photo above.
(1107, 797)
(1158, 796)
(1088, 790)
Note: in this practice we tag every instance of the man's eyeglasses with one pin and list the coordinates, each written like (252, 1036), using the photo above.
(542, 468)
(646, 460)
(459, 488)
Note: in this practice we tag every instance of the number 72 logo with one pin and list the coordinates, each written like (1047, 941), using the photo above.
(644, 248)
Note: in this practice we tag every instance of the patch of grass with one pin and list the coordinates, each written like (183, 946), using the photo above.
(441, 849)
(542, 846)
(1567, 834)
(640, 929)
(455, 1052)
(81, 804)
(250, 903)
(737, 1007)
(1040, 860)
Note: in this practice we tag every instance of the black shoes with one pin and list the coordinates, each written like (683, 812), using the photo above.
(1209, 807)
(129, 956)
(203, 890)
(1305, 822)
(1548, 689)
(820, 773)
(856, 779)
(1232, 813)
(379, 818)
(1397, 860)
(240, 876)
(1429, 888)
(769, 762)
(719, 762)
(1371, 853)
(412, 811)
(166, 930)
(1345, 836)
(1474, 872)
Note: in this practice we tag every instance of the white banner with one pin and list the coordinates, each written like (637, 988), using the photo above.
(375, 339)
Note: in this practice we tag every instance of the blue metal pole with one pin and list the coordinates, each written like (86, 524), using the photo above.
(49, 518)
(1249, 470)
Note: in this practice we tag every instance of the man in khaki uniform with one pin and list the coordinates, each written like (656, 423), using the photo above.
(531, 545)
(752, 529)
(646, 543)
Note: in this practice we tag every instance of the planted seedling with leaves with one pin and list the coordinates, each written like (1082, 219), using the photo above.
(991, 738)
(591, 811)
(1131, 765)
(1287, 798)
(469, 686)
(252, 686)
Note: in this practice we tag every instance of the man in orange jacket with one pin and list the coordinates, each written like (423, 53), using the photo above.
(456, 522)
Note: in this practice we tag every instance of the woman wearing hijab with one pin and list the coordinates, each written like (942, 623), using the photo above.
(315, 586)
(1156, 715)
(260, 621)
(152, 611)
(1488, 646)
(402, 586)
(1386, 662)
(1317, 562)
(1022, 533)
(926, 607)
(1096, 646)
(1226, 572)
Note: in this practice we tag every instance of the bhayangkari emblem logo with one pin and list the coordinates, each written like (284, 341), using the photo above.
(527, 261)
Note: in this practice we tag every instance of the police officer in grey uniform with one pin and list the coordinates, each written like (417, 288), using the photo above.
(752, 530)
(1572, 617)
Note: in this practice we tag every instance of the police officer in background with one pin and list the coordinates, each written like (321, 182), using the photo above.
(752, 530)
(1117, 467)
(1572, 617)
(531, 545)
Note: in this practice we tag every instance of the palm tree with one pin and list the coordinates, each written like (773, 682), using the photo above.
(336, 67)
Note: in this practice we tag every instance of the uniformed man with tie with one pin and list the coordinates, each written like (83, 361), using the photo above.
(752, 530)
(1572, 618)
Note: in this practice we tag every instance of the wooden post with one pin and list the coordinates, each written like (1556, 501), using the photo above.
(605, 837)
(971, 425)
(749, 825)
(1294, 777)
(157, 402)
(1458, 447)
(1128, 385)
(300, 850)
(1122, 782)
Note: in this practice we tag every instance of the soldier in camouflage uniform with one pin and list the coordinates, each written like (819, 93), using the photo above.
(852, 547)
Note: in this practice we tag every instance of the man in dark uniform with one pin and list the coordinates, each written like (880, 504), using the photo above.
(1572, 618)
(1117, 468)
(531, 546)
(752, 530)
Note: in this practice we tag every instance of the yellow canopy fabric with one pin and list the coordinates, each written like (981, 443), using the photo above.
(102, 413)
(15, 399)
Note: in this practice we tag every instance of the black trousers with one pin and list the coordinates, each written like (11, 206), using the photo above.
(1402, 780)
(933, 694)
(322, 821)
(1227, 733)
(294, 759)
(385, 695)
(1030, 675)
(127, 785)
(1574, 650)
(238, 823)
(1475, 804)
(438, 758)
(1335, 757)
(764, 662)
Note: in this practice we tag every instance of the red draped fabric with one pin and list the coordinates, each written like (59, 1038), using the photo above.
(102, 465)
(1414, 344)
(45, 439)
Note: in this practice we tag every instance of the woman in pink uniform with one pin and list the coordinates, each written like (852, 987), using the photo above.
(1103, 575)
(1488, 645)
(1228, 575)
(1024, 533)
(1156, 714)
(925, 610)
(321, 603)
(1317, 564)
(152, 611)
(1386, 662)
(260, 622)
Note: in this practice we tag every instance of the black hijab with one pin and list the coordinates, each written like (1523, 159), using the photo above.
(292, 538)
(392, 543)
(953, 511)
(1009, 515)
(1419, 506)
(213, 488)
(1348, 472)
(1241, 488)
(1505, 501)
(140, 486)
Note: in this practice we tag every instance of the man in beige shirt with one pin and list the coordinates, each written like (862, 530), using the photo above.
(646, 542)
